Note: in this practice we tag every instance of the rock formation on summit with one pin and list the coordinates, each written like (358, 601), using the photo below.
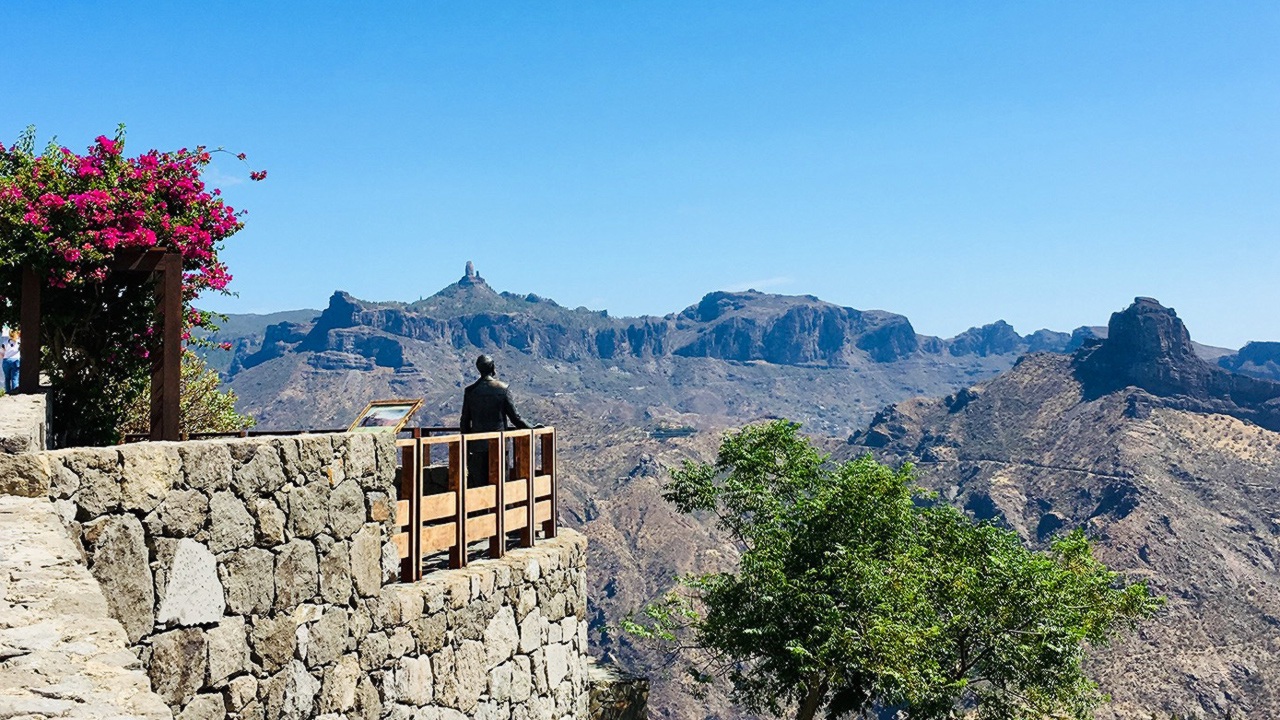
(1148, 347)
(1166, 461)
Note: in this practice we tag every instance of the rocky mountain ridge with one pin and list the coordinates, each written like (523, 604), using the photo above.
(747, 326)
(1166, 460)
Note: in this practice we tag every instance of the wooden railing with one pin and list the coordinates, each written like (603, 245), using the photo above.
(441, 509)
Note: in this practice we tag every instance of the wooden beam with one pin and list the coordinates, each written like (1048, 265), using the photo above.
(29, 325)
(166, 365)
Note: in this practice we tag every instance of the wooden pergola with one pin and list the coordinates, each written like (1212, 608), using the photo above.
(165, 269)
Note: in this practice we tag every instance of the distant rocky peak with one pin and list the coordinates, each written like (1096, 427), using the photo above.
(471, 277)
(1147, 346)
(1147, 330)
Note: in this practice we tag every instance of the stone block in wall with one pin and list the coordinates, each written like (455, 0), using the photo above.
(366, 560)
(472, 674)
(249, 578)
(368, 701)
(273, 640)
(556, 656)
(338, 689)
(147, 473)
(230, 525)
(206, 466)
(315, 455)
(118, 560)
(182, 513)
(228, 651)
(28, 475)
(296, 574)
(193, 594)
(335, 570)
(23, 423)
(242, 692)
(177, 666)
(258, 469)
(207, 706)
(359, 454)
(98, 470)
(269, 522)
(329, 638)
(346, 509)
(412, 682)
(501, 636)
(308, 509)
(300, 691)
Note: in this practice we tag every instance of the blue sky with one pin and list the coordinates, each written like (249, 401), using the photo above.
(955, 162)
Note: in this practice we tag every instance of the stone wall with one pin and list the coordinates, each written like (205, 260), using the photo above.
(255, 578)
(23, 421)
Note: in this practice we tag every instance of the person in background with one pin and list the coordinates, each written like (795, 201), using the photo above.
(486, 407)
(11, 351)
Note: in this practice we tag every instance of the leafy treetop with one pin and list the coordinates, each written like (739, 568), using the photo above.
(855, 594)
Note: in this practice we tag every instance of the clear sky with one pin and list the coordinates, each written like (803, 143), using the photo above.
(1040, 162)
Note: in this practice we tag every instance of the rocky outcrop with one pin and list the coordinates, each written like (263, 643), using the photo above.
(617, 696)
(998, 338)
(1256, 359)
(277, 340)
(783, 330)
(1148, 347)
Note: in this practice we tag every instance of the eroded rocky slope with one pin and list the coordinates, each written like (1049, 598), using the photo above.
(1167, 461)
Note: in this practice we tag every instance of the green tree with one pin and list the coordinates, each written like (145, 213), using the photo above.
(203, 406)
(855, 593)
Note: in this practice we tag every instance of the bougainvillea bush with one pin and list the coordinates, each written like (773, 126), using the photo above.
(68, 216)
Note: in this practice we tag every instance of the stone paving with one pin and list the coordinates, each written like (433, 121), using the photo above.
(61, 654)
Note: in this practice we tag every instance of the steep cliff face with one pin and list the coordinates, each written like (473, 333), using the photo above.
(733, 326)
(1164, 460)
(1148, 347)
(788, 330)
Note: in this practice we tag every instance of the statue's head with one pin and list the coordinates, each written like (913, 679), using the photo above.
(484, 364)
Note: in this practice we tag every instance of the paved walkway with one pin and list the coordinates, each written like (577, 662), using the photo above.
(61, 655)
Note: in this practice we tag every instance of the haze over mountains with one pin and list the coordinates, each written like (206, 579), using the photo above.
(1065, 437)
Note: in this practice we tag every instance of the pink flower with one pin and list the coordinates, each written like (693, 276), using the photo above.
(108, 147)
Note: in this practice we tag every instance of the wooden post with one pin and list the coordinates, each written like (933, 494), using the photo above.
(411, 472)
(525, 471)
(498, 543)
(458, 556)
(549, 467)
(29, 325)
(166, 366)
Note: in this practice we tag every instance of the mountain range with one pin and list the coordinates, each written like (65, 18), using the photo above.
(1167, 461)
(1040, 432)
